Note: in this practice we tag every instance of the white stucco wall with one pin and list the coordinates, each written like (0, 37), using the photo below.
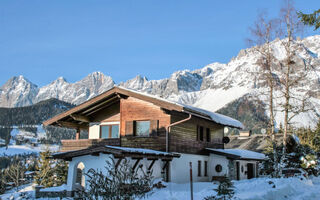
(243, 163)
(224, 162)
(99, 163)
(94, 131)
(215, 160)
(180, 168)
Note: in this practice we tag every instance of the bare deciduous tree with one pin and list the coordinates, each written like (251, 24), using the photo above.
(15, 173)
(284, 72)
(263, 33)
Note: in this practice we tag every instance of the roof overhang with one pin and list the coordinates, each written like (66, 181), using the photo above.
(117, 152)
(235, 156)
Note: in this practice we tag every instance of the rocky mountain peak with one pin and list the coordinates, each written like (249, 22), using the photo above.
(210, 87)
(17, 91)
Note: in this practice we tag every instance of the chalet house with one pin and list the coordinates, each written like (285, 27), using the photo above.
(154, 134)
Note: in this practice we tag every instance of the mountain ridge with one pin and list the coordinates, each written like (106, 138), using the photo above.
(212, 87)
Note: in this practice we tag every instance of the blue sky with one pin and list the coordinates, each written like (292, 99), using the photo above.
(45, 39)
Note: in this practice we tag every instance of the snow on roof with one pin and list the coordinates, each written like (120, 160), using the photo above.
(218, 118)
(241, 153)
(139, 150)
(55, 189)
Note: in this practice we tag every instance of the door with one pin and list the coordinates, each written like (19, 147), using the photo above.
(250, 170)
(238, 170)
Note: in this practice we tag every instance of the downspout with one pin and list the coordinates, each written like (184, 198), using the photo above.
(168, 130)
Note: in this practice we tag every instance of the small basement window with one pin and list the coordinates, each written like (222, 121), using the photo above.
(205, 168)
(199, 167)
(142, 128)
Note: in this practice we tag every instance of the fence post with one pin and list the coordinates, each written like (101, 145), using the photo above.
(191, 184)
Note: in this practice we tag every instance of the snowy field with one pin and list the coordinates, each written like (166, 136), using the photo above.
(254, 189)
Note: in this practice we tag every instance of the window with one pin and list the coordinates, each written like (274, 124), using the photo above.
(205, 168)
(109, 131)
(200, 133)
(79, 176)
(208, 138)
(199, 167)
(218, 168)
(142, 128)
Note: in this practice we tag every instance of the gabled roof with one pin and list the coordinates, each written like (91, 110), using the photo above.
(238, 154)
(81, 113)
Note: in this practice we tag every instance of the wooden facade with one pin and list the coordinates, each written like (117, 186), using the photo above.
(133, 109)
(184, 137)
(127, 108)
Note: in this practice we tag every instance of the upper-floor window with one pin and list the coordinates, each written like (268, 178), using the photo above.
(109, 131)
(142, 128)
(203, 134)
(208, 137)
(200, 133)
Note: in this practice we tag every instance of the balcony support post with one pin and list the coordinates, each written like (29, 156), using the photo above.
(78, 134)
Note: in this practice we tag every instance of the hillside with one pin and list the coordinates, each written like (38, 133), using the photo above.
(31, 115)
(26, 121)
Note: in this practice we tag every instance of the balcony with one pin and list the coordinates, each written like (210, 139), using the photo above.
(72, 145)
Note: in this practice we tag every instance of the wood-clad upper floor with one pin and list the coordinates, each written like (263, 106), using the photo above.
(126, 118)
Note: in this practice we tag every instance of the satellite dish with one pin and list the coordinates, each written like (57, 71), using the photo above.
(263, 131)
(226, 130)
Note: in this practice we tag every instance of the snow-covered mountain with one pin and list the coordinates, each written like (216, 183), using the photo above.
(18, 91)
(211, 87)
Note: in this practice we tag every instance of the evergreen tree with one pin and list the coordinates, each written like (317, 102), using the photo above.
(312, 19)
(44, 174)
(61, 171)
(225, 189)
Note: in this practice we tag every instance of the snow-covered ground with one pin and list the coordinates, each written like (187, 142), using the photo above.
(253, 189)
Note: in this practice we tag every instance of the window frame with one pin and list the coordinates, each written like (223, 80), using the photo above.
(200, 133)
(199, 168)
(205, 168)
(208, 135)
(135, 128)
(110, 124)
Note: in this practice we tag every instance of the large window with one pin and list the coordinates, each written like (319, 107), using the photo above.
(109, 131)
(142, 128)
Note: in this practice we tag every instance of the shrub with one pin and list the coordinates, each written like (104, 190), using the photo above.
(117, 184)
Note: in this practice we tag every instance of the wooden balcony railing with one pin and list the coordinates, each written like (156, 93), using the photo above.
(72, 145)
